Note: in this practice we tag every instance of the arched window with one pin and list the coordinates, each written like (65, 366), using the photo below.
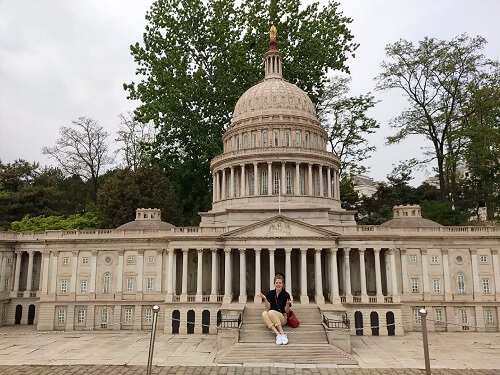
(288, 181)
(264, 139)
(460, 283)
(245, 141)
(307, 140)
(264, 182)
(315, 141)
(254, 140)
(276, 182)
(252, 183)
(275, 139)
(287, 139)
(237, 143)
(297, 139)
(106, 283)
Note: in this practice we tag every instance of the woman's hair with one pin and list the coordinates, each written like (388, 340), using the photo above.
(280, 276)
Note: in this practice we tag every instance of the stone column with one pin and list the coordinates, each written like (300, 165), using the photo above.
(269, 178)
(256, 184)
(93, 274)
(362, 271)
(283, 178)
(214, 187)
(425, 275)
(243, 276)
(213, 285)
(18, 271)
(475, 276)
(140, 273)
(119, 275)
(199, 277)
(258, 278)
(74, 273)
(394, 277)
(337, 185)
(30, 274)
(217, 186)
(170, 279)
(448, 296)
(320, 299)
(174, 272)
(159, 263)
(231, 183)
(184, 290)
(45, 272)
(334, 277)
(320, 172)
(53, 274)
(288, 270)
(329, 181)
(378, 276)
(223, 187)
(496, 271)
(404, 271)
(347, 275)
(272, 271)
(4, 269)
(243, 185)
(304, 298)
(297, 179)
(227, 276)
(310, 180)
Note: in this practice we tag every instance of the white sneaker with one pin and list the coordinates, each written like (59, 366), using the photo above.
(284, 339)
(279, 340)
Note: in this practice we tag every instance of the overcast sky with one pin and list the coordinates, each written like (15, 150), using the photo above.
(60, 60)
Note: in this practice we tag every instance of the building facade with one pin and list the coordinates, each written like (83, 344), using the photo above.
(276, 208)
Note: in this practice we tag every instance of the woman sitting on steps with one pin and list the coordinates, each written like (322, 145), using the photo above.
(277, 303)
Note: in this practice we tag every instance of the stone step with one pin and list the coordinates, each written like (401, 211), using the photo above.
(303, 334)
(292, 353)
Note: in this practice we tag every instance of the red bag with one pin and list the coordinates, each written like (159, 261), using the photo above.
(292, 319)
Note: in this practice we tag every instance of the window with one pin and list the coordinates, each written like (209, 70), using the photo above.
(128, 315)
(483, 258)
(275, 138)
(287, 139)
(254, 140)
(148, 315)
(83, 286)
(301, 181)
(245, 141)
(460, 283)
(151, 259)
(412, 258)
(307, 140)
(64, 286)
(61, 316)
(264, 139)
(317, 184)
(436, 285)
(439, 316)
(264, 182)
(237, 143)
(9, 260)
(252, 183)
(464, 317)
(489, 320)
(325, 186)
(131, 259)
(104, 318)
(297, 139)
(414, 285)
(106, 283)
(65, 261)
(276, 182)
(130, 284)
(486, 286)
(315, 141)
(81, 316)
(6, 285)
(434, 259)
(150, 284)
(416, 317)
(288, 181)
(85, 260)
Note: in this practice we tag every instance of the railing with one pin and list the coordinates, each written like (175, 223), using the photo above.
(226, 322)
(465, 328)
(205, 298)
(356, 299)
(33, 294)
(343, 299)
(334, 323)
(372, 299)
(388, 299)
(20, 294)
(191, 298)
(220, 298)
(176, 298)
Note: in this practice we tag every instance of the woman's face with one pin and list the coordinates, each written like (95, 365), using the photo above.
(278, 284)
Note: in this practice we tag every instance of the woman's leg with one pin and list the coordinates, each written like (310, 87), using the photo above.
(269, 322)
(278, 320)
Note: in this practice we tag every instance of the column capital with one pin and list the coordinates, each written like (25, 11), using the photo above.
(333, 250)
(170, 251)
(423, 251)
(257, 251)
(402, 250)
(185, 250)
(121, 252)
(494, 251)
(347, 250)
(74, 252)
(303, 250)
(317, 250)
(392, 251)
(199, 251)
(361, 250)
(473, 251)
(227, 250)
(255, 163)
(298, 163)
(213, 250)
(242, 165)
(310, 164)
(95, 252)
(444, 251)
(242, 250)
(31, 253)
(159, 251)
(45, 253)
(140, 252)
(19, 252)
(288, 250)
(376, 250)
(271, 250)
(269, 162)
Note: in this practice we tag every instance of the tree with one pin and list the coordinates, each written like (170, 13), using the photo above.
(123, 191)
(197, 59)
(435, 76)
(347, 124)
(133, 135)
(88, 220)
(82, 151)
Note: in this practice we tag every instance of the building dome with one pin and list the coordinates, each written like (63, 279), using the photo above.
(408, 216)
(147, 218)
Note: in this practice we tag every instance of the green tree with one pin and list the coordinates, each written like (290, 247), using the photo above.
(197, 59)
(443, 213)
(88, 220)
(123, 191)
(435, 76)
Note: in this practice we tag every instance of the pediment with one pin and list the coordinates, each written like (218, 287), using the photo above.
(282, 227)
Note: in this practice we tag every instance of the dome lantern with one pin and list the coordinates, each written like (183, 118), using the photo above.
(273, 58)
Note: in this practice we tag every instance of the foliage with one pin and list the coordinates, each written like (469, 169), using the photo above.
(123, 191)
(443, 213)
(435, 77)
(197, 59)
(350, 197)
(82, 151)
(88, 220)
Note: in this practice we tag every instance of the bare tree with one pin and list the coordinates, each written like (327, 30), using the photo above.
(82, 150)
(134, 136)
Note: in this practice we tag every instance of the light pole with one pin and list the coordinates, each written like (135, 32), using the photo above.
(156, 309)
(423, 318)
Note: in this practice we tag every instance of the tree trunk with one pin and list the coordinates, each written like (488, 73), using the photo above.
(442, 182)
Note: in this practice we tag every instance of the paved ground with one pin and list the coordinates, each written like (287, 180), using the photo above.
(126, 350)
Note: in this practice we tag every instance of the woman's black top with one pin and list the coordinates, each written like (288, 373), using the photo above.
(281, 298)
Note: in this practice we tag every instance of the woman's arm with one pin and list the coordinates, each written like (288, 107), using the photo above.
(266, 302)
(287, 306)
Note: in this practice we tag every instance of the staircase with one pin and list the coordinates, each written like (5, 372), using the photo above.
(308, 343)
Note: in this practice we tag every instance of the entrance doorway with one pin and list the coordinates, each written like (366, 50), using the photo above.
(190, 321)
(374, 323)
(358, 323)
(31, 314)
(19, 314)
(176, 316)
(391, 328)
(205, 321)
